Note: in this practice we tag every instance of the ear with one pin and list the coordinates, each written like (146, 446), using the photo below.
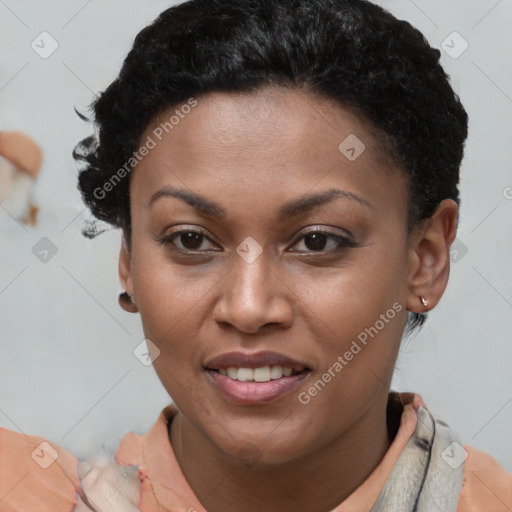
(125, 277)
(429, 257)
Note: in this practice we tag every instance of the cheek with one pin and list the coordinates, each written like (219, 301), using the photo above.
(171, 299)
(366, 284)
(347, 310)
(358, 312)
(359, 325)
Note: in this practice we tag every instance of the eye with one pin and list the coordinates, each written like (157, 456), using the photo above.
(317, 240)
(190, 240)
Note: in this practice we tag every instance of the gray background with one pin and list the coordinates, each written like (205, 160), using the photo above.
(67, 369)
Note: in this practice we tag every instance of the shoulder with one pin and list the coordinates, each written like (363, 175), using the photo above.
(36, 474)
(466, 478)
(487, 485)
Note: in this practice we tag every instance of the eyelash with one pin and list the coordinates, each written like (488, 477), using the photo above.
(343, 241)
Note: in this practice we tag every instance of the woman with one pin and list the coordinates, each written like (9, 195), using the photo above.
(285, 175)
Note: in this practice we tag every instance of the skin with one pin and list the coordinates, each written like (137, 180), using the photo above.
(250, 153)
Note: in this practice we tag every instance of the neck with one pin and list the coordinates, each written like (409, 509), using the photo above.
(317, 482)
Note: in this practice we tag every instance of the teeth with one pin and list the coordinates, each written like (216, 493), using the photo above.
(245, 374)
(276, 372)
(263, 374)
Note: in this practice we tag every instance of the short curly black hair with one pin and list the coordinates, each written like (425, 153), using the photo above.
(350, 51)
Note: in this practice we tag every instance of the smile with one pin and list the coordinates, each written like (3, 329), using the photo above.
(262, 374)
(245, 378)
(251, 391)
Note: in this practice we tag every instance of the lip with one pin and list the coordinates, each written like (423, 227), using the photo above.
(253, 393)
(254, 360)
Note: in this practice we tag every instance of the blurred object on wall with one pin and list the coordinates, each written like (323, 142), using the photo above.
(20, 163)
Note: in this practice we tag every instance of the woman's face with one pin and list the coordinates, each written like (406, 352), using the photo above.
(245, 272)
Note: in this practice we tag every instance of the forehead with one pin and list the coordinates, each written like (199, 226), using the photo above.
(274, 141)
(296, 116)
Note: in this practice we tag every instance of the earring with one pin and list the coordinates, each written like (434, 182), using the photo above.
(127, 302)
(423, 300)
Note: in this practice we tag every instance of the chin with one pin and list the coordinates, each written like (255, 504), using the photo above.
(256, 451)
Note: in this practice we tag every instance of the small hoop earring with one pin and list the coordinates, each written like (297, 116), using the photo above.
(132, 297)
(423, 300)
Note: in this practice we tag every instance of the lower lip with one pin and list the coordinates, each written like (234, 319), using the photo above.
(251, 393)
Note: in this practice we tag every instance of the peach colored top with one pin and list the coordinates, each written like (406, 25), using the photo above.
(25, 486)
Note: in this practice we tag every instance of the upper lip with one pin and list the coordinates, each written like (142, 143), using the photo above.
(254, 360)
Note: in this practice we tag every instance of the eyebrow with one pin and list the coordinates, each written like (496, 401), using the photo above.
(292, 208)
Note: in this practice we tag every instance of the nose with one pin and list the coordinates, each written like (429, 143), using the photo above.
(254, 297)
